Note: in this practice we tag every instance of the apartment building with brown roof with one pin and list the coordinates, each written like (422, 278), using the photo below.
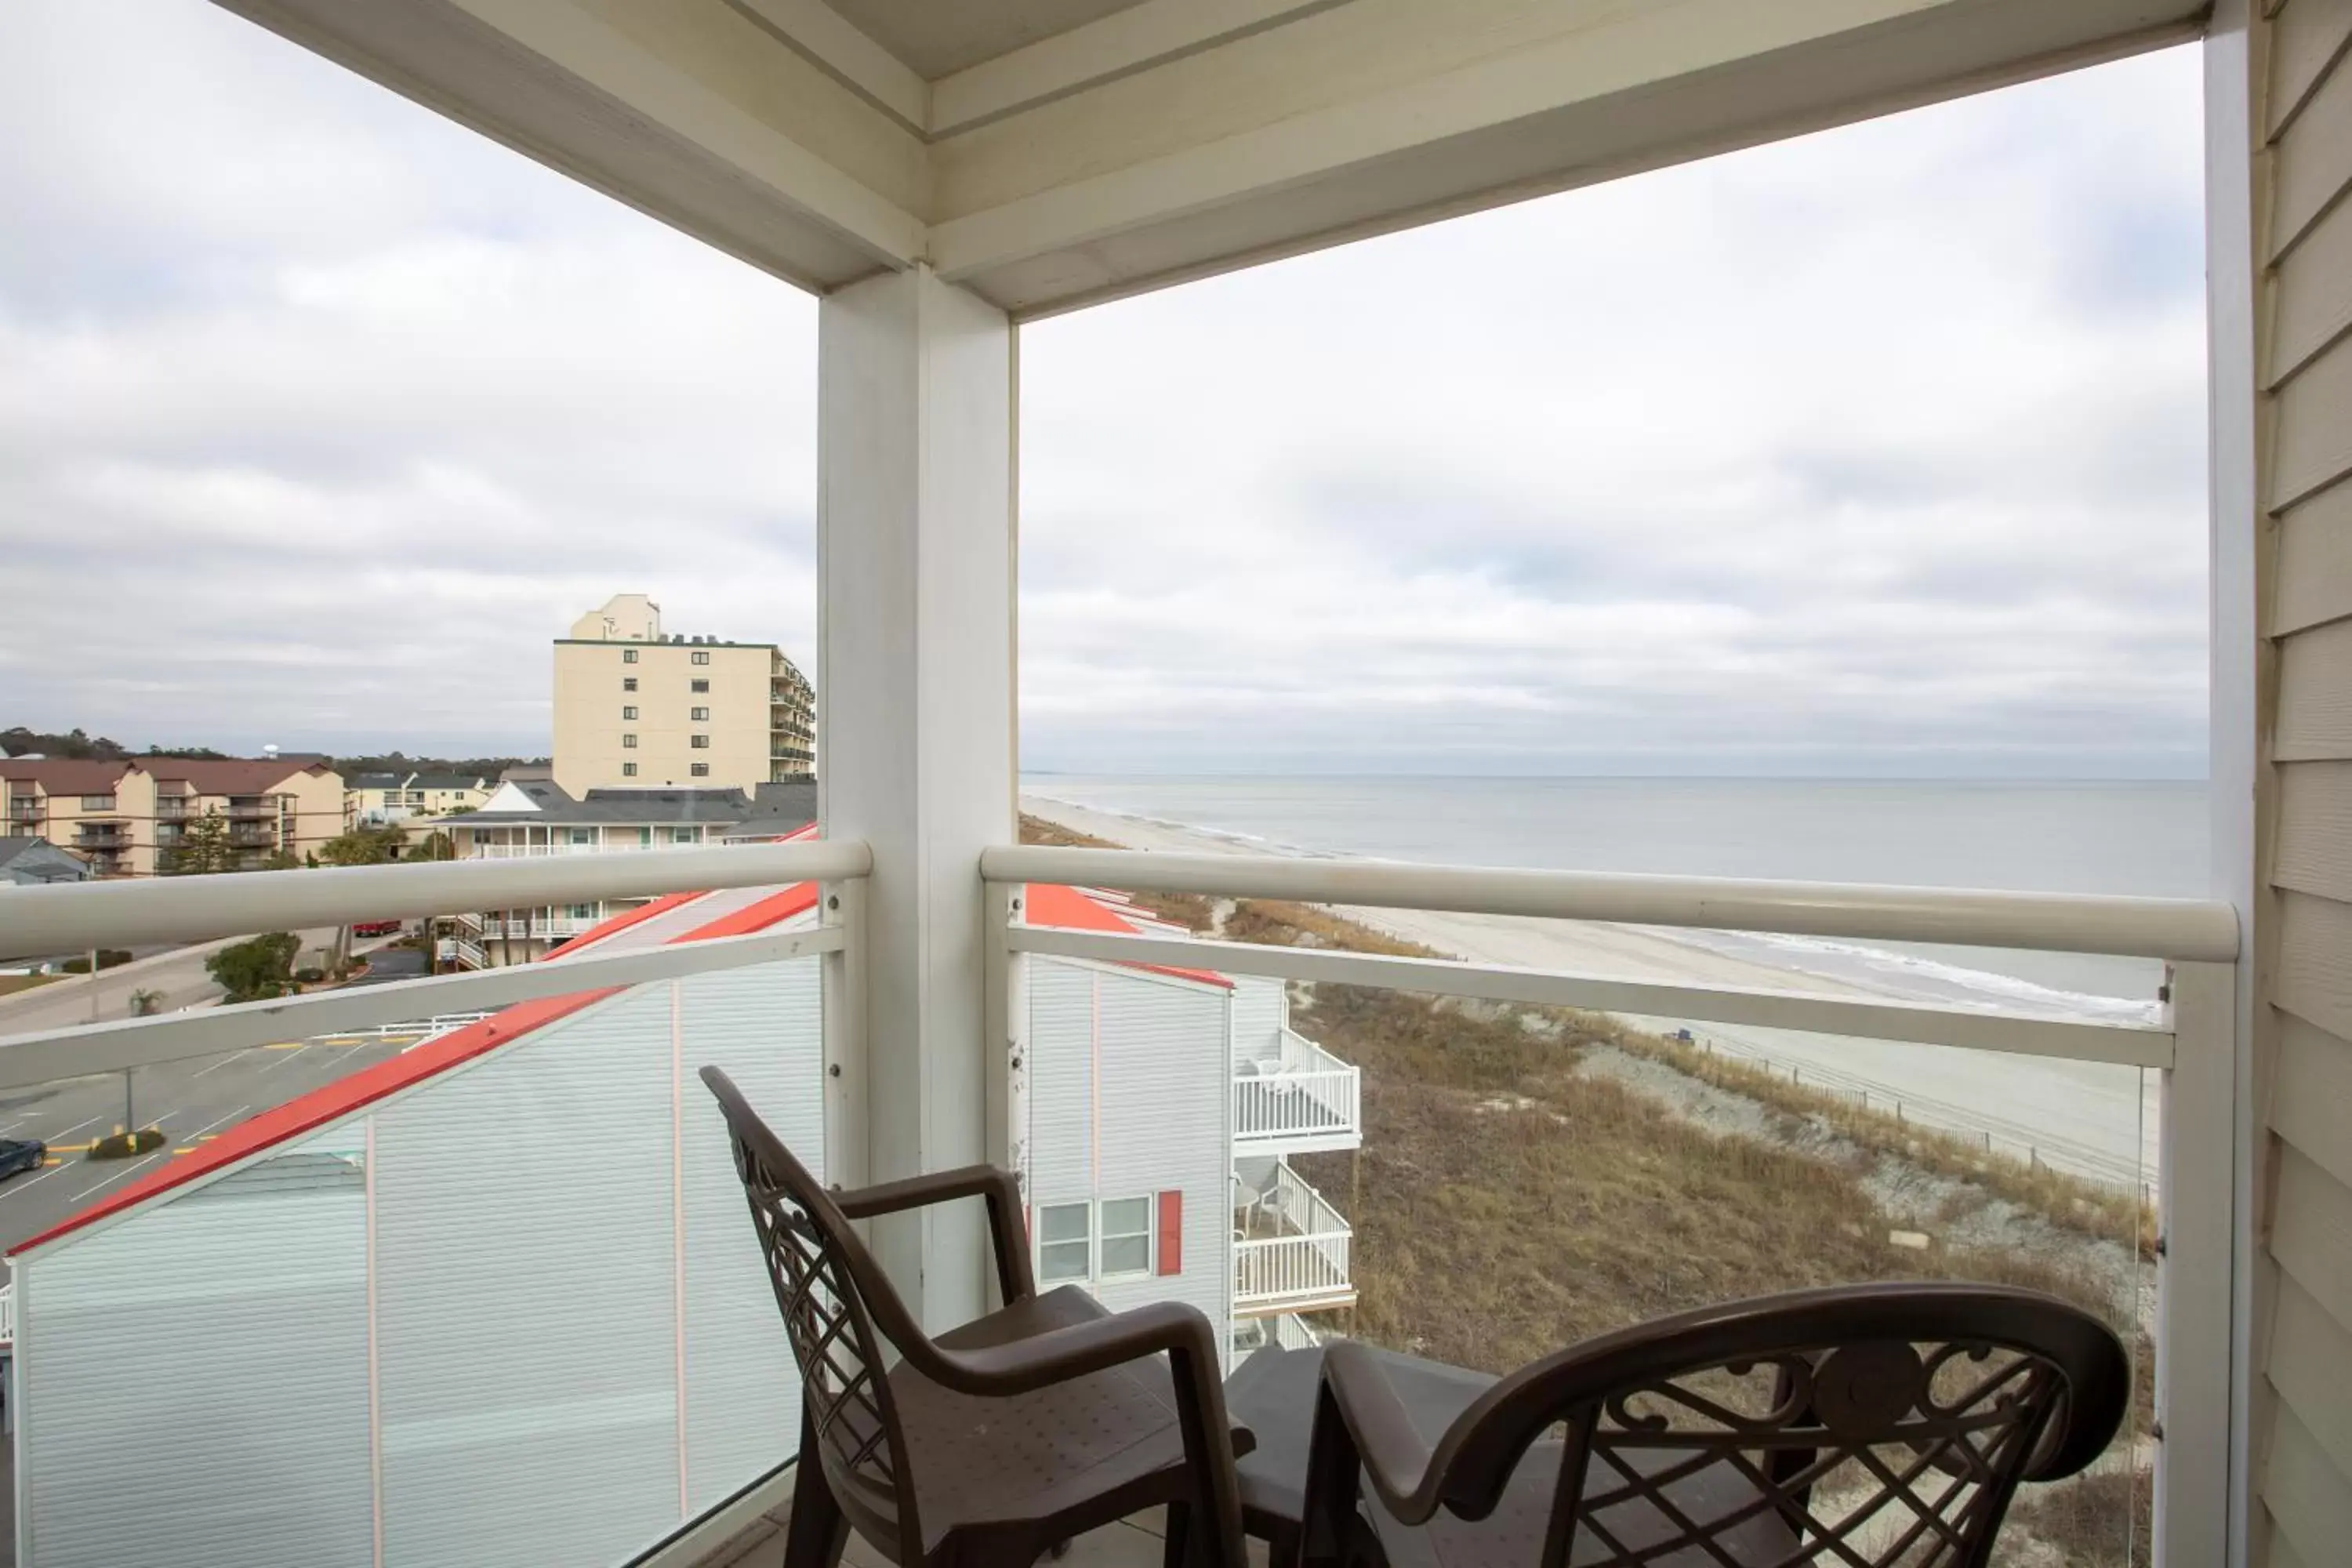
(132, 818)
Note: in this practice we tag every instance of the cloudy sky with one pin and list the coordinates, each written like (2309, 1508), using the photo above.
(1878, 451)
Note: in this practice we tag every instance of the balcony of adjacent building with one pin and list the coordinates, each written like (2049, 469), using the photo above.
(252, 807)
(1290, 1244)
(1295, 1098)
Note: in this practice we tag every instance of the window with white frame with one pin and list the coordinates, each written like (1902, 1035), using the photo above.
(684, 835)
(1126, 1241)
(1064, 1243)
(628, 770)
(630, 742)
(700, 658)
(628, 656)
(698, 714)
(628, 713)
(698, 770)
(700, 742)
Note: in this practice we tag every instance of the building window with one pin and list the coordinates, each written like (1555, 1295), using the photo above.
(628, 683)
(628, 713)
(1063, 1244)
(630, 742)
(700, 742)
(700, 658)
(682, 836)
(628, 770)
(700, 715)
(1125, 1237)
(698, 770)
(699, 685)
(97, 803)
(584, 836)
(645, 837)
(583, 912)
(628, 656)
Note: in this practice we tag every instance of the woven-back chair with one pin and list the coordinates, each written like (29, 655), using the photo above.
(998, 1440)
(1864, 1427)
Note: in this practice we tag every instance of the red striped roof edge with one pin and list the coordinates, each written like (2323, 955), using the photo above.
(355, 1091)
(1050, 904)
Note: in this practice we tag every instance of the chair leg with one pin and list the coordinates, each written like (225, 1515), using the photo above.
(1174, 1550)
(818, 1530)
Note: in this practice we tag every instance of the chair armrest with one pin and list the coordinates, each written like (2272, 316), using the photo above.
(1007, 1229)
(1395, 1457)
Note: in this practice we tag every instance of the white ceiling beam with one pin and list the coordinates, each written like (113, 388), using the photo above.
(682, 134)
(1118, 45)
(825, 36)
(1381, 114)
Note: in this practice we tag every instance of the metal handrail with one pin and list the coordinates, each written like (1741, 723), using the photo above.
(69, 917)
(2184, 929)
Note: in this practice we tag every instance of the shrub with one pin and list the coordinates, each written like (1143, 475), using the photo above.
(108, 958)
(311, 975)
(125, 1145)
(258, 967)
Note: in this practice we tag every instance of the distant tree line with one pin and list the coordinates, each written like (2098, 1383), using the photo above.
(80, 746)
(400, 762)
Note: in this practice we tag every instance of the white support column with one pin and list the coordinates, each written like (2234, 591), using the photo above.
(916, 723)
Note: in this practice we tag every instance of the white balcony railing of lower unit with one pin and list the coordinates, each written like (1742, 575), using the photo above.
(537, 927)
(1305, 1098)
(539, 851)
(7, 1314)
(2189, 1039)
(1290, 1250)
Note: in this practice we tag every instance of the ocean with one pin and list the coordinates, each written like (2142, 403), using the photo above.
(2097, 837)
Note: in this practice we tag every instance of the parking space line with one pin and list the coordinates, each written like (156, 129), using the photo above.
(288, 1056)
(57, 1169)
(119, 1175)
(224, 1061)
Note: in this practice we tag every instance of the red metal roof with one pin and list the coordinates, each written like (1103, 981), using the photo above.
(332, 1101)
(1048, 904)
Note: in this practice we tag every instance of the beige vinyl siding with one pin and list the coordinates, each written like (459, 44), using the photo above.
(2302, 1438)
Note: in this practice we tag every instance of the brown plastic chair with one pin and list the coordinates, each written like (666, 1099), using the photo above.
(1863, 1426)
(997, 1441)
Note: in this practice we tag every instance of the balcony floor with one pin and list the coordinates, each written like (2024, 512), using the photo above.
(1133, 1543)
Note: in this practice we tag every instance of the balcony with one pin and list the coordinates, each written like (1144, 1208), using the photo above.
(648, 1006)
(1298, 1100)
(1290, 1249)
(252, 807)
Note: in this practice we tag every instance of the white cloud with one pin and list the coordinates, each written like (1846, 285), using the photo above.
(319, 415)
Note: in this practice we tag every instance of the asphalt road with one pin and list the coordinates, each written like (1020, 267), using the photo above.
(194, 1101)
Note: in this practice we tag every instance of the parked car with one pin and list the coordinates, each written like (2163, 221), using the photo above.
(20, 1154)
(376, 928)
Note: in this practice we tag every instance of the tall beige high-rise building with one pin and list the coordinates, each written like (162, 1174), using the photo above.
(636, 707)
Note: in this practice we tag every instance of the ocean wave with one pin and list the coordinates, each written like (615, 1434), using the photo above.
(2000, 991)
(2007, 988)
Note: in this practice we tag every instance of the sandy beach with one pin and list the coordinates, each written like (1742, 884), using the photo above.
(2093, 1118)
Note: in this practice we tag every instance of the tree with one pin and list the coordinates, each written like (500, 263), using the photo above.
(281, 860)
(203, 848)
(436, 845)
(144, 1001)
(256, 968)
(363, 846)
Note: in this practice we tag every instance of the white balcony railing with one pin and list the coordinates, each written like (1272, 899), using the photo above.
(555, 928)
(536, 851)
(1297, 1255)
(1290, 1250)
(1306, 1098)
(7, 1314)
